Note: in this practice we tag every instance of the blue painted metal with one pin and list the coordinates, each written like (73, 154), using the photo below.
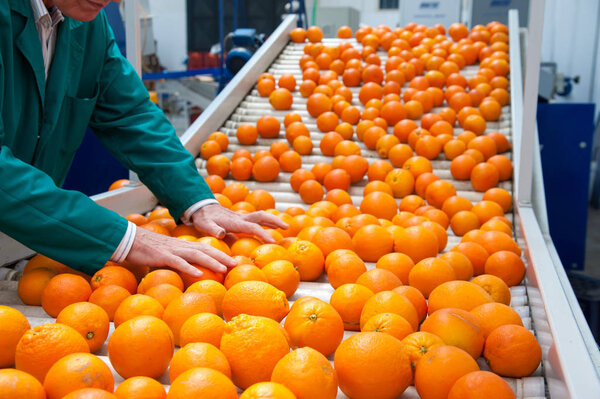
(94, 168)
(116, 23)
(215, 72)
(565, 132)
(222, 41)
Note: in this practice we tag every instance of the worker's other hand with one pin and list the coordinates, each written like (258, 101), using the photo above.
(156, 250)
(218, 221)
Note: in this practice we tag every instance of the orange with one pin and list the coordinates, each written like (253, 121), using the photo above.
(338, 197)
(265, 87)
(417, 242)
(457, 294)
(159, 276)
(359, 355)
(241, 169)
(77, 371)
(302, 145)
(300, 176)
(481, 385)
(140, 387)
(439, 191)
(506, 265)
(287, 81)
(329, 239)
(417, 165)
(118, 184)
(282, 275)
(389, 323)
(423, 181)
(401, 182)
(210, 148)
(499, 196)
(417, 344)
(253, 345)
(307, 373)
(266, 169)
(372, 242)
(273, 390)
(40, 347)
(151, 353)
(281, 99)
(90, 393)
(397, 263)
(202, 382)
(484, 176)
(185, 306)
(389, 302)
(349, 300)
(512, 351)
(246, 134)
(298, 35)
(476, 253)
(220, 138)
(504, 166)
(32, 284)
(278, 148)
(16, 384)
(370, 90)
(311, 191)
(63, 290)
(345, 269)
(202, 327)
(114, 275)
(139, 219)
(429, 273)
(198, 354)
(290, 161)
(137, 305)
(315, 324)
(379, 204)
(444, 364)
(255, 298)
(464, 221)
(244, 246)
(460, 263)
(494, 241)
(244, 273)
(14, 325)
(314, 34)
(317, 104)
(91, 321)
(308, 258)
(109, 297)
(267, 253)
(337, 178)
(456, 327)
(493, 315)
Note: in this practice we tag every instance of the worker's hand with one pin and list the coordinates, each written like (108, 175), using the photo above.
(218, 221)
(156, 250)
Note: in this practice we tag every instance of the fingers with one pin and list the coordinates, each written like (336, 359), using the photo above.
(266, 219)
(202, 259)
(208, 226)
(180, 264)
(219, 256)
(255, 229)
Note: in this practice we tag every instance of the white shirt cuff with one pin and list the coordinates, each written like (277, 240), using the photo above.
(125, 245)
(187, 215)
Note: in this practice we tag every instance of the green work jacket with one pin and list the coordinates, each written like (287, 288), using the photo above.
(42, 125)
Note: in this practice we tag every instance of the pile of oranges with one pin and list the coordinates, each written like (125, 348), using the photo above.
(420, 312)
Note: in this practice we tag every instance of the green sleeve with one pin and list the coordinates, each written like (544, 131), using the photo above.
(139, 135)
(64, 225)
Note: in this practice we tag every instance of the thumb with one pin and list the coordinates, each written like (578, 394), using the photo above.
(210, 227)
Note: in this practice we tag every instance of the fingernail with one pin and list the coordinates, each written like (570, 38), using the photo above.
(198, 273)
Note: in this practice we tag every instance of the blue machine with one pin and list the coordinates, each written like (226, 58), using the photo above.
(245, 43)
(565, 133)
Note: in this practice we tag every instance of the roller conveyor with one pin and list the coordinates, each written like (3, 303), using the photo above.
(545, 300)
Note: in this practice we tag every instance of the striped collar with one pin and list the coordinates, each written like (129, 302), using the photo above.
(48, 17)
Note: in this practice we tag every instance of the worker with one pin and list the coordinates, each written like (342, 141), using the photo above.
(61, 71)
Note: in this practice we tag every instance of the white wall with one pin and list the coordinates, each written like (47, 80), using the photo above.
(370, 14)
(170, 31)
(569, 39)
